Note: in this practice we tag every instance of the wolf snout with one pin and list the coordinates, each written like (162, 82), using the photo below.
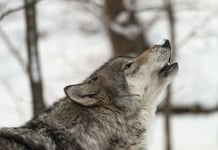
(166, 44)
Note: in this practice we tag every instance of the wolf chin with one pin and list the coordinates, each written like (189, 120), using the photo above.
(110, 110)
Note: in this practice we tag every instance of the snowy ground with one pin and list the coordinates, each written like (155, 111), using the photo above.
(68, 55)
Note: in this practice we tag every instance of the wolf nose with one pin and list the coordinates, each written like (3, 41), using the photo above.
(166, 44)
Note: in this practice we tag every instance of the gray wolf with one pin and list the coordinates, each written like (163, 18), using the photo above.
(110, 110)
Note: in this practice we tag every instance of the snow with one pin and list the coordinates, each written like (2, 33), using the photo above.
(123, 17)
(34, 68)
(68, 55)
(200, 134)
(131, 31)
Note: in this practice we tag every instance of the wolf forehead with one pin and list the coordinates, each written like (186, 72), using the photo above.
(113, 67)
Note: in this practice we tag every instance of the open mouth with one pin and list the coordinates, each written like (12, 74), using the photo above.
(169, 68)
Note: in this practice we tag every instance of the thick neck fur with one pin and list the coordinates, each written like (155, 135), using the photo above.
(100, 127)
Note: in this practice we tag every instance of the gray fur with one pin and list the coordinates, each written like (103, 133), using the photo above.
(110, 110)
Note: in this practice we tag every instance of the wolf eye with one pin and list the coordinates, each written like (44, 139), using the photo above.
(94, 78)
(128, 65)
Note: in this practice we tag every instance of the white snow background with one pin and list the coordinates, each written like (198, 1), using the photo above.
(68, 54)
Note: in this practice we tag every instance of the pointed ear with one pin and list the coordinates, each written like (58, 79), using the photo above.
(83, 93)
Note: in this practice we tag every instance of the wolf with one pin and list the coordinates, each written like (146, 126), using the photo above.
(110, 110)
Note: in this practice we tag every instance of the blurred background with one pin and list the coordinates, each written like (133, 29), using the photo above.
(48, 44)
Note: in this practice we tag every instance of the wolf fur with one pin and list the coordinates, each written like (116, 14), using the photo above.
(110, 110)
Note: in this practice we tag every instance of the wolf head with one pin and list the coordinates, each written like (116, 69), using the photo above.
(127, 82)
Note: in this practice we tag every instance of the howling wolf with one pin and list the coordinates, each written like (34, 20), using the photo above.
(110, 110)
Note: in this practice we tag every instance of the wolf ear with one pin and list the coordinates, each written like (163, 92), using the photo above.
(83, 93)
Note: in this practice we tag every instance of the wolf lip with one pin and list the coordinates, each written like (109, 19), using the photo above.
(166, 70)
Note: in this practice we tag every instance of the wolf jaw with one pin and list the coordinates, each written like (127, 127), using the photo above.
(169, 67)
